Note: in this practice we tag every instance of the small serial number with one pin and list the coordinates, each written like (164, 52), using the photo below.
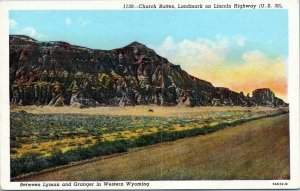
(280, 183)
(128, 6)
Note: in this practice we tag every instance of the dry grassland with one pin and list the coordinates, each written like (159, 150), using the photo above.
(158, 111)
(254, 150)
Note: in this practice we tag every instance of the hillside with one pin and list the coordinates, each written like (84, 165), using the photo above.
(58, 73)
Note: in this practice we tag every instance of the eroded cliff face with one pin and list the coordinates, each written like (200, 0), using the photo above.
(266, 97)
(57, 73)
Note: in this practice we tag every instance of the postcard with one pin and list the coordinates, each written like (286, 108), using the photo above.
(105, 95)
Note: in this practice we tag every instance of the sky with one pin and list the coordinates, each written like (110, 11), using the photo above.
(242, 50)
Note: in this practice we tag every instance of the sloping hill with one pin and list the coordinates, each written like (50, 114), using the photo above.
(58, 73)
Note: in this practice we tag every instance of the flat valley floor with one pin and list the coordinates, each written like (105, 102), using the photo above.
(254, 150)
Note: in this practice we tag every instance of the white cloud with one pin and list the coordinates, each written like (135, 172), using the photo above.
(83, 22)
(68, 21)
(254, 56)
(240, 41)
(168, 48)
(228, 62)
(78, 22)
(29, 31)
(32, 32)
(13, 24)
(191, 53)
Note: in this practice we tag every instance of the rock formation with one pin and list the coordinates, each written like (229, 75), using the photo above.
(57, 73)
(266, 97)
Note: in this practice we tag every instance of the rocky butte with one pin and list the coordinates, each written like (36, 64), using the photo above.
(58, 74)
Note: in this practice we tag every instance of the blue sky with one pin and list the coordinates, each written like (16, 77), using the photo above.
(112, 29)
(239, 49)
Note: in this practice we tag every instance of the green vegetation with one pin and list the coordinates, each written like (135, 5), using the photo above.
(32, 162)
(32, 129)
(256, 150)
(104, 79)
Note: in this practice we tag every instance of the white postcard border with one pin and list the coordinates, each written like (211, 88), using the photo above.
(293, 95)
